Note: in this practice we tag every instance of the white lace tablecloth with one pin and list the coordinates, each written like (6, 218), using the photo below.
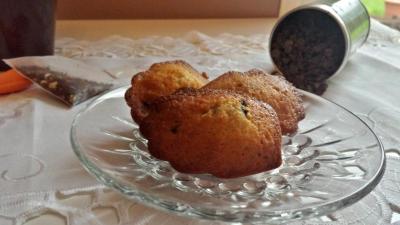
(39, 173)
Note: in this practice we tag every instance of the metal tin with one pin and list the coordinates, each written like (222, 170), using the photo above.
(351, 16)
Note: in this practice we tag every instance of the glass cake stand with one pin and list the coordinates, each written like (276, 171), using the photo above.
(331, 162)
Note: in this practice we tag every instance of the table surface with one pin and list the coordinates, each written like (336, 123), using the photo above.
(97, 29)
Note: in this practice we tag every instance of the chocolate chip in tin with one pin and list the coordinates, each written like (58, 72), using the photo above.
(308, 46)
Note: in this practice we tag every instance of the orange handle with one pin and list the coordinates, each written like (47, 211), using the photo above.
(11, 81)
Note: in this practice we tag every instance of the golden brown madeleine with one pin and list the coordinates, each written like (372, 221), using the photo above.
(274, 90)
(159, 80)
(214, 131)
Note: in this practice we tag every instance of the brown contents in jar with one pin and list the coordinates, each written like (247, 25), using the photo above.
(26, 28)
(308, 47)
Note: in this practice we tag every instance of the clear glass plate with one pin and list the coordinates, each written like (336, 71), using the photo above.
(331, 162)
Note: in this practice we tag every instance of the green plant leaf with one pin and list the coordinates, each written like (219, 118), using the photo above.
(375, 7)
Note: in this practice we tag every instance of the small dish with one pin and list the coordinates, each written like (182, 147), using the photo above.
(333, 160)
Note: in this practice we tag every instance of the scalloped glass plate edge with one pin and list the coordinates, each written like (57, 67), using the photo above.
(244, 216)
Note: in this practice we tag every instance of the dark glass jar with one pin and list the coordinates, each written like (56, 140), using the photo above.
(26, 28)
